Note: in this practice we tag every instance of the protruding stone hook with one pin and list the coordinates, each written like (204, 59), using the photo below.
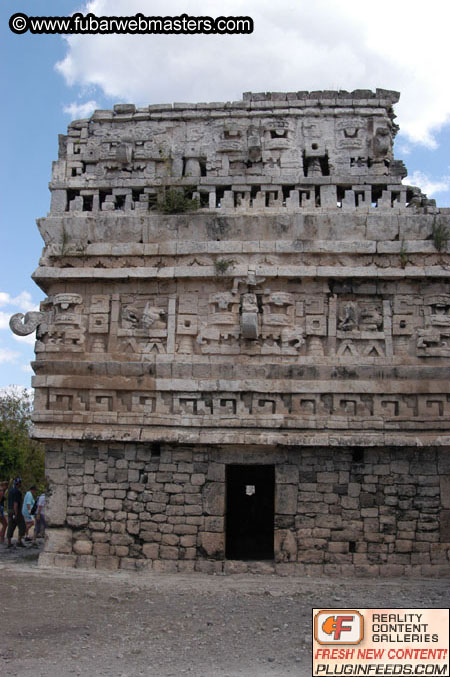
(23, 327)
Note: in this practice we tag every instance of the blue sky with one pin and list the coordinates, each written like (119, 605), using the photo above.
(296, 45)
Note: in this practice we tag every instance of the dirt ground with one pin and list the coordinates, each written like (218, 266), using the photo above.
(65, 622)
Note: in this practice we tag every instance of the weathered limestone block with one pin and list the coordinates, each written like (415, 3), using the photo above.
(112, 504)
(109, 562)
(381, 227)
(188, 541)
(54, 459)
(444, 461)
(94, 502)
(444, 526)
(68, 561)
(285, 546)
(121, 539)
(101, 549)
(85, 562)
(168, 552)
(286, 499)
(214, 524)
(288, 474)
(58, 540)
(216, 472)
(214, 498)
(56, 476)
(56, 505)
(58, 201)
(445, 491)
(197, 479)
(77, 521)
(260, 568)
(235, 567)
(208, 567)
(212, 544)
(121, 550)
(89, 467)
(46, 559)
(82, 547)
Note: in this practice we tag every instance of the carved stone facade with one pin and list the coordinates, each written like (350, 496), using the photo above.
(295, 325)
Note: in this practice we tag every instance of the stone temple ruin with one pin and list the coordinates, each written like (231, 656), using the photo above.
(242, 363)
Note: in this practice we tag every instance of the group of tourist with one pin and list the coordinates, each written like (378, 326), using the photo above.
(23, 513)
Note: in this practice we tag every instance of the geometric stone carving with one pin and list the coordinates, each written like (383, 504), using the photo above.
(360, 315)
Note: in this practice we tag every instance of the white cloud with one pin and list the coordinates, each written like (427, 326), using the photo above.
(80, 110)
(4, 320)
(26, 368)
(30, 339)
(404, 149)
(426, 184)
(7, 355)
(23, 301)
(4, 298)
(295, 45)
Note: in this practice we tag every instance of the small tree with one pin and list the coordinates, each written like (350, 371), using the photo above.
(19, 455)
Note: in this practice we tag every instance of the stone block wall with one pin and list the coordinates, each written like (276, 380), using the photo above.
(163, 508)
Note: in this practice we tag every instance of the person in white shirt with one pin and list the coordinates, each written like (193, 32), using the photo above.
(28, 503)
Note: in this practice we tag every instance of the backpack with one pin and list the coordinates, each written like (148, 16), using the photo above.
(33, 510)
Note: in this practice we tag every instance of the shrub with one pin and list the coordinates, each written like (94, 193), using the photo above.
(440, 235)
(177, 201)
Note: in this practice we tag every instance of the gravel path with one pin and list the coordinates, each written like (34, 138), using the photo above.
(60, 623)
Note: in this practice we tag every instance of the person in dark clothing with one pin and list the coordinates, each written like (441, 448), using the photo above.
(3, 520)
(15, 517)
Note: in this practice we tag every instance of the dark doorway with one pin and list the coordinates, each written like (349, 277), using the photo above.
(250, 511)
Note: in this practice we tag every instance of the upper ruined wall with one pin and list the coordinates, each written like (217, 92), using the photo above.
(307, 175)
(277, 151)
